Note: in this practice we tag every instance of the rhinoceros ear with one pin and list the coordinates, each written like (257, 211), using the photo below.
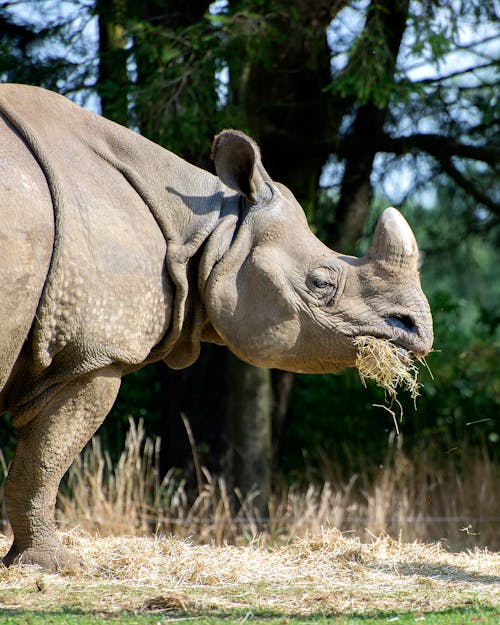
(238, 165)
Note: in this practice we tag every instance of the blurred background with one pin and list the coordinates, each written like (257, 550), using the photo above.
(356, 106)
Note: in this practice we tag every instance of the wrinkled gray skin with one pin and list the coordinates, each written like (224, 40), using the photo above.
(115, 253)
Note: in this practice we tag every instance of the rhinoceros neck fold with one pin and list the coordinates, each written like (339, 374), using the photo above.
(185, 202)
(129, 216)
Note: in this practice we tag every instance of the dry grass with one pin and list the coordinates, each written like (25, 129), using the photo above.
(130, 498)
(323, 574)
(294, 563)
(415, 498)
(387, 364)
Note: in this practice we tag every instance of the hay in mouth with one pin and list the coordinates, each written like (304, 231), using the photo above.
(388, 365)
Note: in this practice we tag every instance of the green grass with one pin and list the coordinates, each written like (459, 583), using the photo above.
(460, 616)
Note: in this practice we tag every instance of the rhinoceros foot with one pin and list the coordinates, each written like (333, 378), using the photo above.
(52, 557)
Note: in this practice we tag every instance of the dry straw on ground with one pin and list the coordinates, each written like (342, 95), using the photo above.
(323, 574)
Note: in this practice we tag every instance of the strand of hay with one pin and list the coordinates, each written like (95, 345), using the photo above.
(388, 365)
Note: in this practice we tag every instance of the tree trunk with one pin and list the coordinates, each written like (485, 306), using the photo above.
(282, 385)
(113, 76)
(248, 408)
(284, 98)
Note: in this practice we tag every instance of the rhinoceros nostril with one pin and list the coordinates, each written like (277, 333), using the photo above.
(403, 322)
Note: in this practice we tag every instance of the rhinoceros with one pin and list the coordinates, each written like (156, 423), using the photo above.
(115, 253)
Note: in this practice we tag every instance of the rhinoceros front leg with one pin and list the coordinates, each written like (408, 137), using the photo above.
(46, 447)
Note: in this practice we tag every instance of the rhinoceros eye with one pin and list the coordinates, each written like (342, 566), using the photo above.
(321, 283)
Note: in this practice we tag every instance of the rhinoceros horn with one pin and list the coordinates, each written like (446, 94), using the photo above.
(394, 241)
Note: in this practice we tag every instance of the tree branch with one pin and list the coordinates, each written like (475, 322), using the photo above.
(469, 187)
(458, 72)
(437, 145)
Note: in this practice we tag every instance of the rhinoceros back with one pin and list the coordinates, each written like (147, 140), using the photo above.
(128, 215)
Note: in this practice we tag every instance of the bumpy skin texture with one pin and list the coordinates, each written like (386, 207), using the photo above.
(116, 253)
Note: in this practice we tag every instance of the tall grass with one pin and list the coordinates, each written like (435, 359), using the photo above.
(412, 498)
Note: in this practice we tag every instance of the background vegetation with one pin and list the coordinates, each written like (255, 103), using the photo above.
(356, 105)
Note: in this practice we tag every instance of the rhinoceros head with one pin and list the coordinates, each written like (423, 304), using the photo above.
(280, 298)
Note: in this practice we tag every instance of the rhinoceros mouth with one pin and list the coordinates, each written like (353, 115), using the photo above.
(403, 332)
